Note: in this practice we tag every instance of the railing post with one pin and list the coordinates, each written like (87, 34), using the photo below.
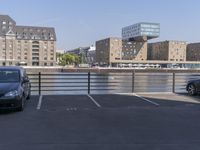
(88, 82)
(133, 81)
(39, 83)
(173, 86)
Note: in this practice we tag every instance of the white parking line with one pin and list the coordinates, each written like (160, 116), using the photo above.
(39, 102)
(93, 100)
(154, 103)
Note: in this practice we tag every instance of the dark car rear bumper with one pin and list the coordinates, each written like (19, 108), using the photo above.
(9, 103)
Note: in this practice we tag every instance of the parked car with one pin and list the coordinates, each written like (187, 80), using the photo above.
(15, 88)
(193, 87)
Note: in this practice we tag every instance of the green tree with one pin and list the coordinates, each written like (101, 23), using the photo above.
(77, 59)
(69, 59)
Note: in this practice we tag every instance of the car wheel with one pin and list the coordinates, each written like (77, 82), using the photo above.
(22, 103)
(192, 89)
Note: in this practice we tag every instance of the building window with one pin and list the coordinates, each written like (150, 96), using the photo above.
(35, 64)
(45, 64)
(3, 27)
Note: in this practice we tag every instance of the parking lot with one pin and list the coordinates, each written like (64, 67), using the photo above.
(112, 122)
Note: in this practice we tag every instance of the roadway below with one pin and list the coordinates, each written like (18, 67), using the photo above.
(139, 121)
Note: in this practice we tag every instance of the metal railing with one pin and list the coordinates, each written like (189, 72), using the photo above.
(109, 83)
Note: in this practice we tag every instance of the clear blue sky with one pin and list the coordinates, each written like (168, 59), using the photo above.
(82, 22)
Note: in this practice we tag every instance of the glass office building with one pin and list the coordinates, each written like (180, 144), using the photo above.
(149, 30)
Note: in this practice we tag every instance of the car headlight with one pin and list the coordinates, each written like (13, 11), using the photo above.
(12, 94)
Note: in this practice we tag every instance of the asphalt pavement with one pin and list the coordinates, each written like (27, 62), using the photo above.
(103, 122)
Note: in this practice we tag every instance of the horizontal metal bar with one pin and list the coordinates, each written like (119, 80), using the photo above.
(33, 78)
(181, 89)
(33, 74)
(143, 84)
(77, 82)
(149, 87)
(152, 75)
(153, 80)
(57, 82)
(103, 89)
(181, 81)
(110, 82)
(59, 74)
(188, 75)
(34, 86)
(106, 75)
(181, 85)
(34, 90)
(103, 81)
(36, 83)
(64, 90)
(42, 78)
(155, 88)
(105, 78)
(72, 86)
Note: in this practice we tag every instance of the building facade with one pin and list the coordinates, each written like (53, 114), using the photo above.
(167, 51)
(87, 54)
(132, 50)
(108, 50)
(111, 51)
(193, 52)
(33, 46)
(132, 47)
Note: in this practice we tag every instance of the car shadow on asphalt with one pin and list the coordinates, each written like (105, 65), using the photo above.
(8, 111)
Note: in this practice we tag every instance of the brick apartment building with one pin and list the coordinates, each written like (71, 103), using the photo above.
(34, 46)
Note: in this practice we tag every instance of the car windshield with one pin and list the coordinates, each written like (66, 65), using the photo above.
(7, 76)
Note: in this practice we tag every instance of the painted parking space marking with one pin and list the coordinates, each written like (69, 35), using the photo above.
(94, 101)
(39, 102)
(67, 102)
(147, 100)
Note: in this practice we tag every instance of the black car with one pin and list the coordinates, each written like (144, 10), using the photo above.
(15, 88)
(193, 87)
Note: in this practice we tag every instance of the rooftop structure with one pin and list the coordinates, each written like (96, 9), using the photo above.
(8, 27)
(141, 31)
